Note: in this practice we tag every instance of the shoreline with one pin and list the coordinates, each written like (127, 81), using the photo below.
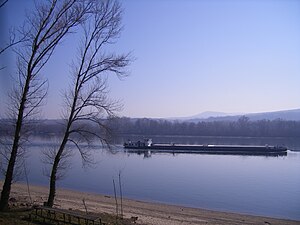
(146, 212)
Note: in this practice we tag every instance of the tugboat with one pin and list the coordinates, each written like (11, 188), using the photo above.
(147, 144)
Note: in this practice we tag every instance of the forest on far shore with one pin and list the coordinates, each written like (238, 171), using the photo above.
(243, 127)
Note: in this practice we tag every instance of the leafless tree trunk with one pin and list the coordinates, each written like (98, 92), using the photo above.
(49, 22)
(87, 99)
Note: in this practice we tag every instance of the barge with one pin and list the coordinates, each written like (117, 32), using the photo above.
(147, 145)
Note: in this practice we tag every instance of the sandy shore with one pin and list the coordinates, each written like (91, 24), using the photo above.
(147, 213)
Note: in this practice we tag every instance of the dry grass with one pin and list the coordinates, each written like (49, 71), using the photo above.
(20, 216)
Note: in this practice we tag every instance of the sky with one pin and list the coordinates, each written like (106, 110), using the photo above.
(190, 56)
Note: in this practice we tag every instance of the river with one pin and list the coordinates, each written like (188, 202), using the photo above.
(257, 185)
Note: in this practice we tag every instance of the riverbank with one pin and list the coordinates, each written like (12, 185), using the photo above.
(146, 213)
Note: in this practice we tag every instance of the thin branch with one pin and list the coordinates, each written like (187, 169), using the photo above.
(3, 3)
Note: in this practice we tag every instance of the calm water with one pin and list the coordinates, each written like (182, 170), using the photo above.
(259, 185)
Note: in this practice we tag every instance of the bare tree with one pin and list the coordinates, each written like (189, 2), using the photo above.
(86, 100)
(44, 29)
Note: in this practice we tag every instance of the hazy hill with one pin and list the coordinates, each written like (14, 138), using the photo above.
(203, 116)
(293, 114)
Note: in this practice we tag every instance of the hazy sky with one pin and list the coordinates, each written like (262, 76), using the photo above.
(194, 56)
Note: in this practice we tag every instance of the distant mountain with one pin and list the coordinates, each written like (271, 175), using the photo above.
(208, 114)
(293, 114)
(204, 115)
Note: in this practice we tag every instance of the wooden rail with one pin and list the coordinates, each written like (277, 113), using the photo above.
(62, 216)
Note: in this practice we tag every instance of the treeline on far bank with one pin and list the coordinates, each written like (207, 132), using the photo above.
(243, 127)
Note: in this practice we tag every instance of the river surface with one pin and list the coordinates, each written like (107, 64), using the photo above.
(257, 185)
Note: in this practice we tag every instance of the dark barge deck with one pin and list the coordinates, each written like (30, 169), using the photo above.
(141, 147)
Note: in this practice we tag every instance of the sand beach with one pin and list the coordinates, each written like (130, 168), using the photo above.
(145, 212)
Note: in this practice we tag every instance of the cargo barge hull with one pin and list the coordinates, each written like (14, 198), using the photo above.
(141, 147)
